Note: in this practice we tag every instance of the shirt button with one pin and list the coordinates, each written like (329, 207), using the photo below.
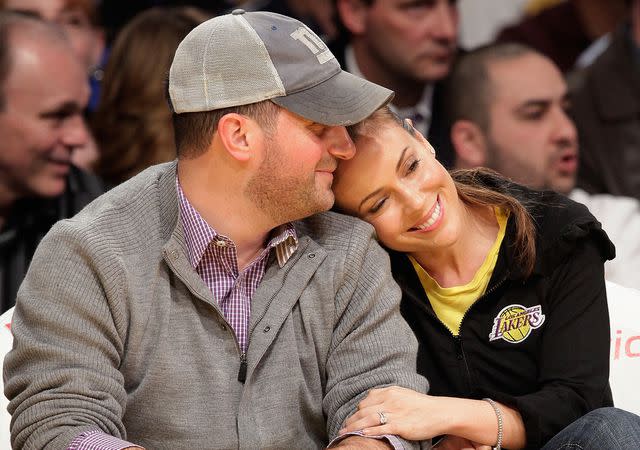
(174, 254)
(221, 243)
(311, 255)
(223, 326)
(266, 329)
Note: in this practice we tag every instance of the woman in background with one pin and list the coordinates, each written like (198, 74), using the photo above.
(132, 124)
(503, 287)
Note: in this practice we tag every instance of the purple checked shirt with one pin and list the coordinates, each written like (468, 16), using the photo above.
(215, 259)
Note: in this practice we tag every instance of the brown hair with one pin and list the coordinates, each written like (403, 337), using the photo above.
(472, 188)
(194, 131)
(475, 187)
(88, 8)
(470, 90)
(132, 123)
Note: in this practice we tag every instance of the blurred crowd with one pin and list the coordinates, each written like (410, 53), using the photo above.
(546, 92)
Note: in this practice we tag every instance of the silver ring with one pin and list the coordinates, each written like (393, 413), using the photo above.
(383, 418)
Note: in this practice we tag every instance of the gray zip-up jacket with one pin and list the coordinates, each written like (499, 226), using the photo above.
(115, 330)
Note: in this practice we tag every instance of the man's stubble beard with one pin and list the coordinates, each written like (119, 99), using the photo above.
(283, 197)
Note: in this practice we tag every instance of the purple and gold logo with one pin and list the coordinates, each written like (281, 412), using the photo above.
(515, 322)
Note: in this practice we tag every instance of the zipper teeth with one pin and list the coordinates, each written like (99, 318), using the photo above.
(486, 294)
(458, 338)
(243, 355)
(264, 312)
(215, 307)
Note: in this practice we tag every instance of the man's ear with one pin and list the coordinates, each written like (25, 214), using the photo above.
(469, 144)
(235, 132)
(353, 15)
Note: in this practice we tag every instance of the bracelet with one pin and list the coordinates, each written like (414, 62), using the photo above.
(494, 405)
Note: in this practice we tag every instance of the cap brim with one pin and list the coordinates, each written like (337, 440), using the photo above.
(343, 99)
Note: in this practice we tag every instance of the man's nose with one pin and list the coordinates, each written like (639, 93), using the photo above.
(340, 144)
(445, 24)
(565, 129)
(75, 132)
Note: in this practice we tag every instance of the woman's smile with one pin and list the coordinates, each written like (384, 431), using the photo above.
(431, 220)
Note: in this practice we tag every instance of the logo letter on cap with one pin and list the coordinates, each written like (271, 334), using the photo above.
(313, 43)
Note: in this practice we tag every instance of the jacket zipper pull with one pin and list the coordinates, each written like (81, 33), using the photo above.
(242, 373)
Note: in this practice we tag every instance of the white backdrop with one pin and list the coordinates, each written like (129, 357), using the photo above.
(481, 20)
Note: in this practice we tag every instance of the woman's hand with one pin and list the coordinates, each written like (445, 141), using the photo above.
(416, 417)
(409, 414)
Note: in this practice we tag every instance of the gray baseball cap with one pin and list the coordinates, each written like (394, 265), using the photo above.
(247, 57)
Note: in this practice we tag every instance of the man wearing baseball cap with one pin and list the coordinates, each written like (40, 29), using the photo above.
(213, 302)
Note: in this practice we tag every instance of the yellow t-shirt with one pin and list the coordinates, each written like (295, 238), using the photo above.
(451, 303)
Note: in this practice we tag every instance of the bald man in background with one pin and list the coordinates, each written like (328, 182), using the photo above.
(509, 105)
(43, 92)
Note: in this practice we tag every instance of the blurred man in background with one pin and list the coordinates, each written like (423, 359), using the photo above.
(509, 105)
(606, 99)
(408, 47)
(43, 92)
(79, 19)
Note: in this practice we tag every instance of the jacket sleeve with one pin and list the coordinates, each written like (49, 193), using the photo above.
(62, 376)
(573, 368)
(372, 346)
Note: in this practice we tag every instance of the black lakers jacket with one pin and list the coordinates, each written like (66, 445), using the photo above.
(540, 344)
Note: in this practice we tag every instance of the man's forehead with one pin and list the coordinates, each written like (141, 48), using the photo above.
(49, 10)
(45, 9)
(516, 81)
(50, 97)
(43, 64)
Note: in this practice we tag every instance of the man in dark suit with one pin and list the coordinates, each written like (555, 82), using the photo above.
(408, 48)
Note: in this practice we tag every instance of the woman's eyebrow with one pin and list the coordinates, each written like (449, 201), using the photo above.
(377, 191)
(373, 194)
(404, 150)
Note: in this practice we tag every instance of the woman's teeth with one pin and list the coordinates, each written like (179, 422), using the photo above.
(432, 219)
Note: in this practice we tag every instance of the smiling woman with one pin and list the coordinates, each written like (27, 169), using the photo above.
(408, 193)
(498, 281)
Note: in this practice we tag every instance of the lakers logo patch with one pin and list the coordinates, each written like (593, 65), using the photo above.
(515, 322)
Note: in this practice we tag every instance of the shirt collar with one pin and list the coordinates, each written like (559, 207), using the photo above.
(199, 234)
(420, 113)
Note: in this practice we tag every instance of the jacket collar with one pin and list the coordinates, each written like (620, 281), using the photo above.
(559, 224)
(615, 79)
(176, 251)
